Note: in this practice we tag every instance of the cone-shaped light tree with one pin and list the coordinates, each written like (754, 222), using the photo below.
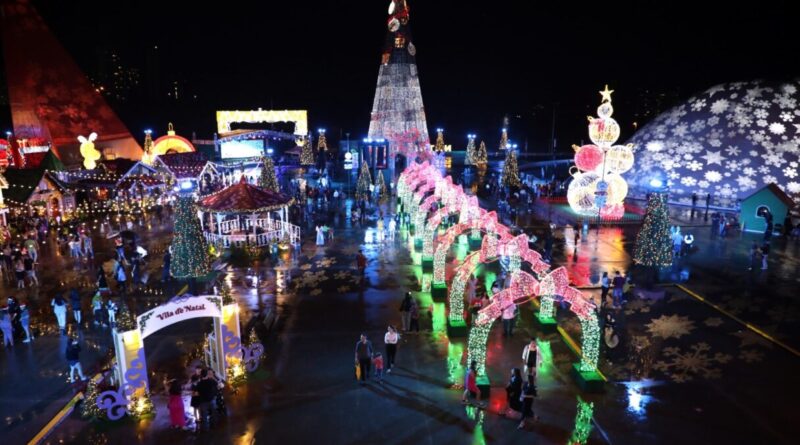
(380, 185)
(439, 146)
(364, 181)
(189, 249)
(470, 154)
(481, 157)
(307, 155)
(268, 180)
(653, 244)
(511, 171)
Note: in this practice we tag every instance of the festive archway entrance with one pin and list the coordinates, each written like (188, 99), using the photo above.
(224, 346)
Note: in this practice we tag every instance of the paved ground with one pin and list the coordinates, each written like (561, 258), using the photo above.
(684, 372)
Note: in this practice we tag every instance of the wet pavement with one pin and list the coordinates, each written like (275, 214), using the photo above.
(683, 373)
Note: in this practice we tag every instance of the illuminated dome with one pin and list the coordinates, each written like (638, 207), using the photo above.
(729, 141)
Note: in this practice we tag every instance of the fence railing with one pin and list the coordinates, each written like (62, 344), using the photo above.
(278, 231)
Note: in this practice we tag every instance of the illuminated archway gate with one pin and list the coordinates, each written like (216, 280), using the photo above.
(224, 346)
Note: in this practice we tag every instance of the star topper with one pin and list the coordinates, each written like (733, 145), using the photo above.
(606, 93)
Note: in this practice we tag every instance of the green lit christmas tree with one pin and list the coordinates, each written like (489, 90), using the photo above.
(511, 171)
(267, 179)
(653, 244)
(480, 158)
(470, 154)
(380, 185)
(125, 321)
(364, 181)
(307, 155)
(189, 249)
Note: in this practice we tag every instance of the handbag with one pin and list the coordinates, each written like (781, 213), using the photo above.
(358, 372)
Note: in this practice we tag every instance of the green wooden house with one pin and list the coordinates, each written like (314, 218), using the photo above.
(770, 197)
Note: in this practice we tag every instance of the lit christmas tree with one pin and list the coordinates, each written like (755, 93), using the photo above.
(89, 409)
(470, 154)
(189, 249)
(322, 143)
(511, 171)
(480, 157)
(653, 244)
(364, 181)
(267, 179)
(504, 140)
(125, 321)
(307, 155)
(148, 156)
(380, 185)
(141, 407)
(439, 146)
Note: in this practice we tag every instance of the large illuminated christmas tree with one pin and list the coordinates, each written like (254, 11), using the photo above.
(480, 158)
(189, 249)
(653, 244)
(267, 179)
(398, 114)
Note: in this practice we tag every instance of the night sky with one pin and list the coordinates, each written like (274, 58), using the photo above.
(478, 61)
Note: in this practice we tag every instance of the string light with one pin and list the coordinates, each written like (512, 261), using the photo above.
(653, 245)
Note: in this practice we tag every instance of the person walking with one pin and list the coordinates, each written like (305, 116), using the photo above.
(122, 278)
(514, 394)
(405, 311)
(361, 262)
(60, 310)
(75, 303)
(177, 415)
(377, 362)
(390, 339)
(25, 322)
(33, 248)
(471, 386)
(5, 327)
(207, 392)
(102, 282)
(752, 256)
(413, 314)
(528, 394)
(19, 273)
(112, 308)
(97, 309)
(73, 359)
(30, 271)
(604, 285)
(619, 283)
(764, 255)
(530, 356)
(166, 265)
(363, 356)
(88, 248)
(509, 317)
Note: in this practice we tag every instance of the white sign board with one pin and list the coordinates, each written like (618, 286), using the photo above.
(179, 309)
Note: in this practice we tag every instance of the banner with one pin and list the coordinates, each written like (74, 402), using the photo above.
(179, 309)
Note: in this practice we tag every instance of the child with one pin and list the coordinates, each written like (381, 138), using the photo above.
(377, 360)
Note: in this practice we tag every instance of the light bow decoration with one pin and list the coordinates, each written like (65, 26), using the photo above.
(89, 153)
(597, 187)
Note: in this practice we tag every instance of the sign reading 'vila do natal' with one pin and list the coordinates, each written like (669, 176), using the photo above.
(179, 309)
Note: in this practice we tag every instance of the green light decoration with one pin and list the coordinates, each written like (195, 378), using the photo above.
(590, 350)
(455, 372)
(456, 300)
(89, 408)
(438, 319)
(267, 179)
(189, 248)
(583, 423)
(364, 181)
(510, 176)
(307, 155)
(125, 321)
(653, 245)
(476, 346)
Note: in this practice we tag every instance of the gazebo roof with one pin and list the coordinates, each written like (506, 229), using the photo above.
(243, 197)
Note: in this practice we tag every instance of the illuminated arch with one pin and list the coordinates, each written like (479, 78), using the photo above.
(460, 204)
(479, 220)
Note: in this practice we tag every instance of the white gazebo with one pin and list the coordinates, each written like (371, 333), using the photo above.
(246, 215)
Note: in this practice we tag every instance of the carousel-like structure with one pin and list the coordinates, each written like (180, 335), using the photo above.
(244, 215)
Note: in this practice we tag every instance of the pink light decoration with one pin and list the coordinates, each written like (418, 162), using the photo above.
(588, 157)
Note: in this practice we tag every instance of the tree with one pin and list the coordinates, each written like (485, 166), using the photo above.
(653, 244)
(267, 179)
(89, 409)
(380, 185)
(504, 140)
(470, 155)
(364, 181)
(189, 249)
(439, 146)
(125, 321)
(480, 158)
(307, 155)
(511, 171)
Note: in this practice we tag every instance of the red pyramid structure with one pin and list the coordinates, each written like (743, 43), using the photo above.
(51, 99)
